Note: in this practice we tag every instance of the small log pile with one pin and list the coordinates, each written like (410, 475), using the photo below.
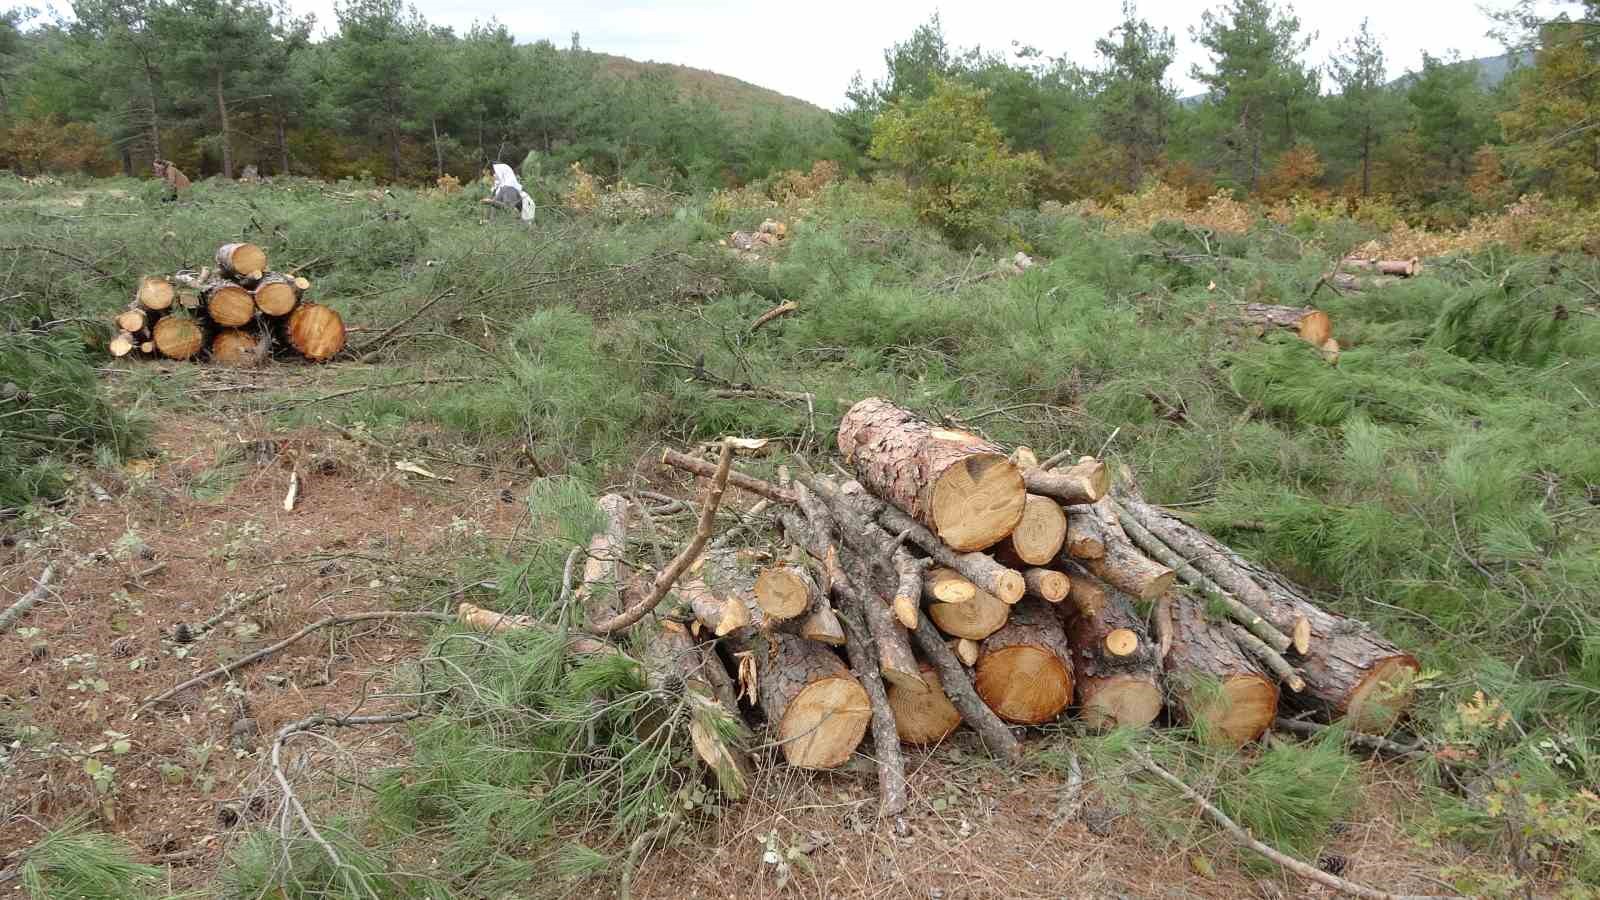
(238, 315)
(1356, 274)
(951, 583)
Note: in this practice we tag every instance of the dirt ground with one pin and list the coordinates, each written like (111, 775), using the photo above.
(172, 539)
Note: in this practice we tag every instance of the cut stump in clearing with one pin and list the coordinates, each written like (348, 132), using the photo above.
(955, 483)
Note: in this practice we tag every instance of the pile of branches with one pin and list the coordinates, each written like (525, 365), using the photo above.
(237, 316)
(953, 584)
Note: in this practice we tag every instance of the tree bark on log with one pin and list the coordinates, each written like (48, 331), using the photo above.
(1038, 537)
(1084, 540)
(316, 331)
(1047, 584)
(1115, 664)
(154, 293)
(869, 659)
(1024, 672)
(277, 294)
(1312, 325)
(242, 262)
(1123, 566)
(1214, 686)
(957, 685)
(720, 614)
(228, 304)
(817, 709)
(1086, 481)
(179, 336)
(1401, 268)
(1356, 284)
(738, 479)
(924, 717)
(672, 657)
(974, 618)
(961, 487)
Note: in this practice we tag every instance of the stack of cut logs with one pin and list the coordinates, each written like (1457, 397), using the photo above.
(235, 316)
(951, 583)
(1354, 273)
(1313, 325)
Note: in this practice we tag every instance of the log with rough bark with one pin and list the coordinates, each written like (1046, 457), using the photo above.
(785, 591)
(238, 347)
(671, 657)
(1214, 686)
(179, 336)
(1312, 325)
(1038, 537)
(1084, 540)
(739, 480)
(1024, 672)
(1122, 565)
(1085, 481)
(924, 717)
(605, 567)
(227, 304)
(1400, 268)
(1116, 669)
(718, 614)
(242, 262)
(958, 485)
(975, 618)
(155, 292)
(1356, 284)
(277, 294)
(316, 331)
(1047, 584)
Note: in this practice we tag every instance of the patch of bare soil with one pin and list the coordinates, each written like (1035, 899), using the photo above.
(170, 542)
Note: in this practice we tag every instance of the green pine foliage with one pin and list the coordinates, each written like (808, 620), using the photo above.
(74, 863)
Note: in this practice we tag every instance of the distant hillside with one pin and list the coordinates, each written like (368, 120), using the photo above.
(1491, 71)
(741, 100)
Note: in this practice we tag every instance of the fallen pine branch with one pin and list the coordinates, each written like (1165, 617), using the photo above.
(17, 610)
(267, 651)
(377, 343)
(1302, 869)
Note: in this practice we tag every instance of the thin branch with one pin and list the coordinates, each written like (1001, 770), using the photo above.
(737, 479)
(1302, 869)
(265, 652)
(24, 603)
(236, 606)
(668, 577)
(370, 346)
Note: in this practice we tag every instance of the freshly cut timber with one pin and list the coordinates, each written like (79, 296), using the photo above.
(1084, 540)
(178, 336)
(818, 709)
(316, 331)
(605, 567)
(1047, 584)
(122, 344)
(228, 304)
(975, 618)
(132, 320)
(718, 614)
(1122, 565)
(1403, 268)
(923, 717)
(966, 650)
(1312, 325)
(238, 347)
(1350, 282)
(1085, 481)
(785, 591)
(242, 262)
(1024, 672)
(155, 293)
(1038, 537)
(943, 585)
(671, 657)
(955, 483)
(1117, 673)
(277, 294)
(1215, 687)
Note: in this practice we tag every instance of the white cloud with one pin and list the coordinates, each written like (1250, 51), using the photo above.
(811, 49)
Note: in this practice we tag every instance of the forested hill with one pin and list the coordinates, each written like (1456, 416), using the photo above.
(740, 100)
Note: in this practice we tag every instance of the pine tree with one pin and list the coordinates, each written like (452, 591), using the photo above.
(1362, 109)
(1133, 102)
(1554, 123)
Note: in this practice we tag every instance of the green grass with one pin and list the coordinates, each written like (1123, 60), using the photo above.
(1441, 481)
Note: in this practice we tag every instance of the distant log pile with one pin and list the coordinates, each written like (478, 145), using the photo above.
(951, 584)
(238, 315)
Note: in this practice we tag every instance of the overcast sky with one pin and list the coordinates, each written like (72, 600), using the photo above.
(811, 48)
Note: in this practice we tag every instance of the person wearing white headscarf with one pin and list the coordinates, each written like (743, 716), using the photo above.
(508, 192)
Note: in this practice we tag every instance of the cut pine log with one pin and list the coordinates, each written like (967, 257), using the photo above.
(785, 591)
(276, 294)
(1400, 268)
(242, 262)
(924, 717)
(1085, 481)
(1024, 672)
(1084, 540)
(816, 707)
(1356, 284)
(179, 336)
(671, 657)
(238, 347)
(1115, 665)
(605, 567)
(966, 650)
(155, 293)
(1214, 686)
(1311, 324)
(961, 487)
(132, 320)
(943, 585)
(1122, 565)
(228, 304)
(316, 331)
(1038, 537)
(717, 614)
(1047, 584)
(121, 345)
(975, 618)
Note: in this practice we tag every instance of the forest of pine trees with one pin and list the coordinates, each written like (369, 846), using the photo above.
(219, 84)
